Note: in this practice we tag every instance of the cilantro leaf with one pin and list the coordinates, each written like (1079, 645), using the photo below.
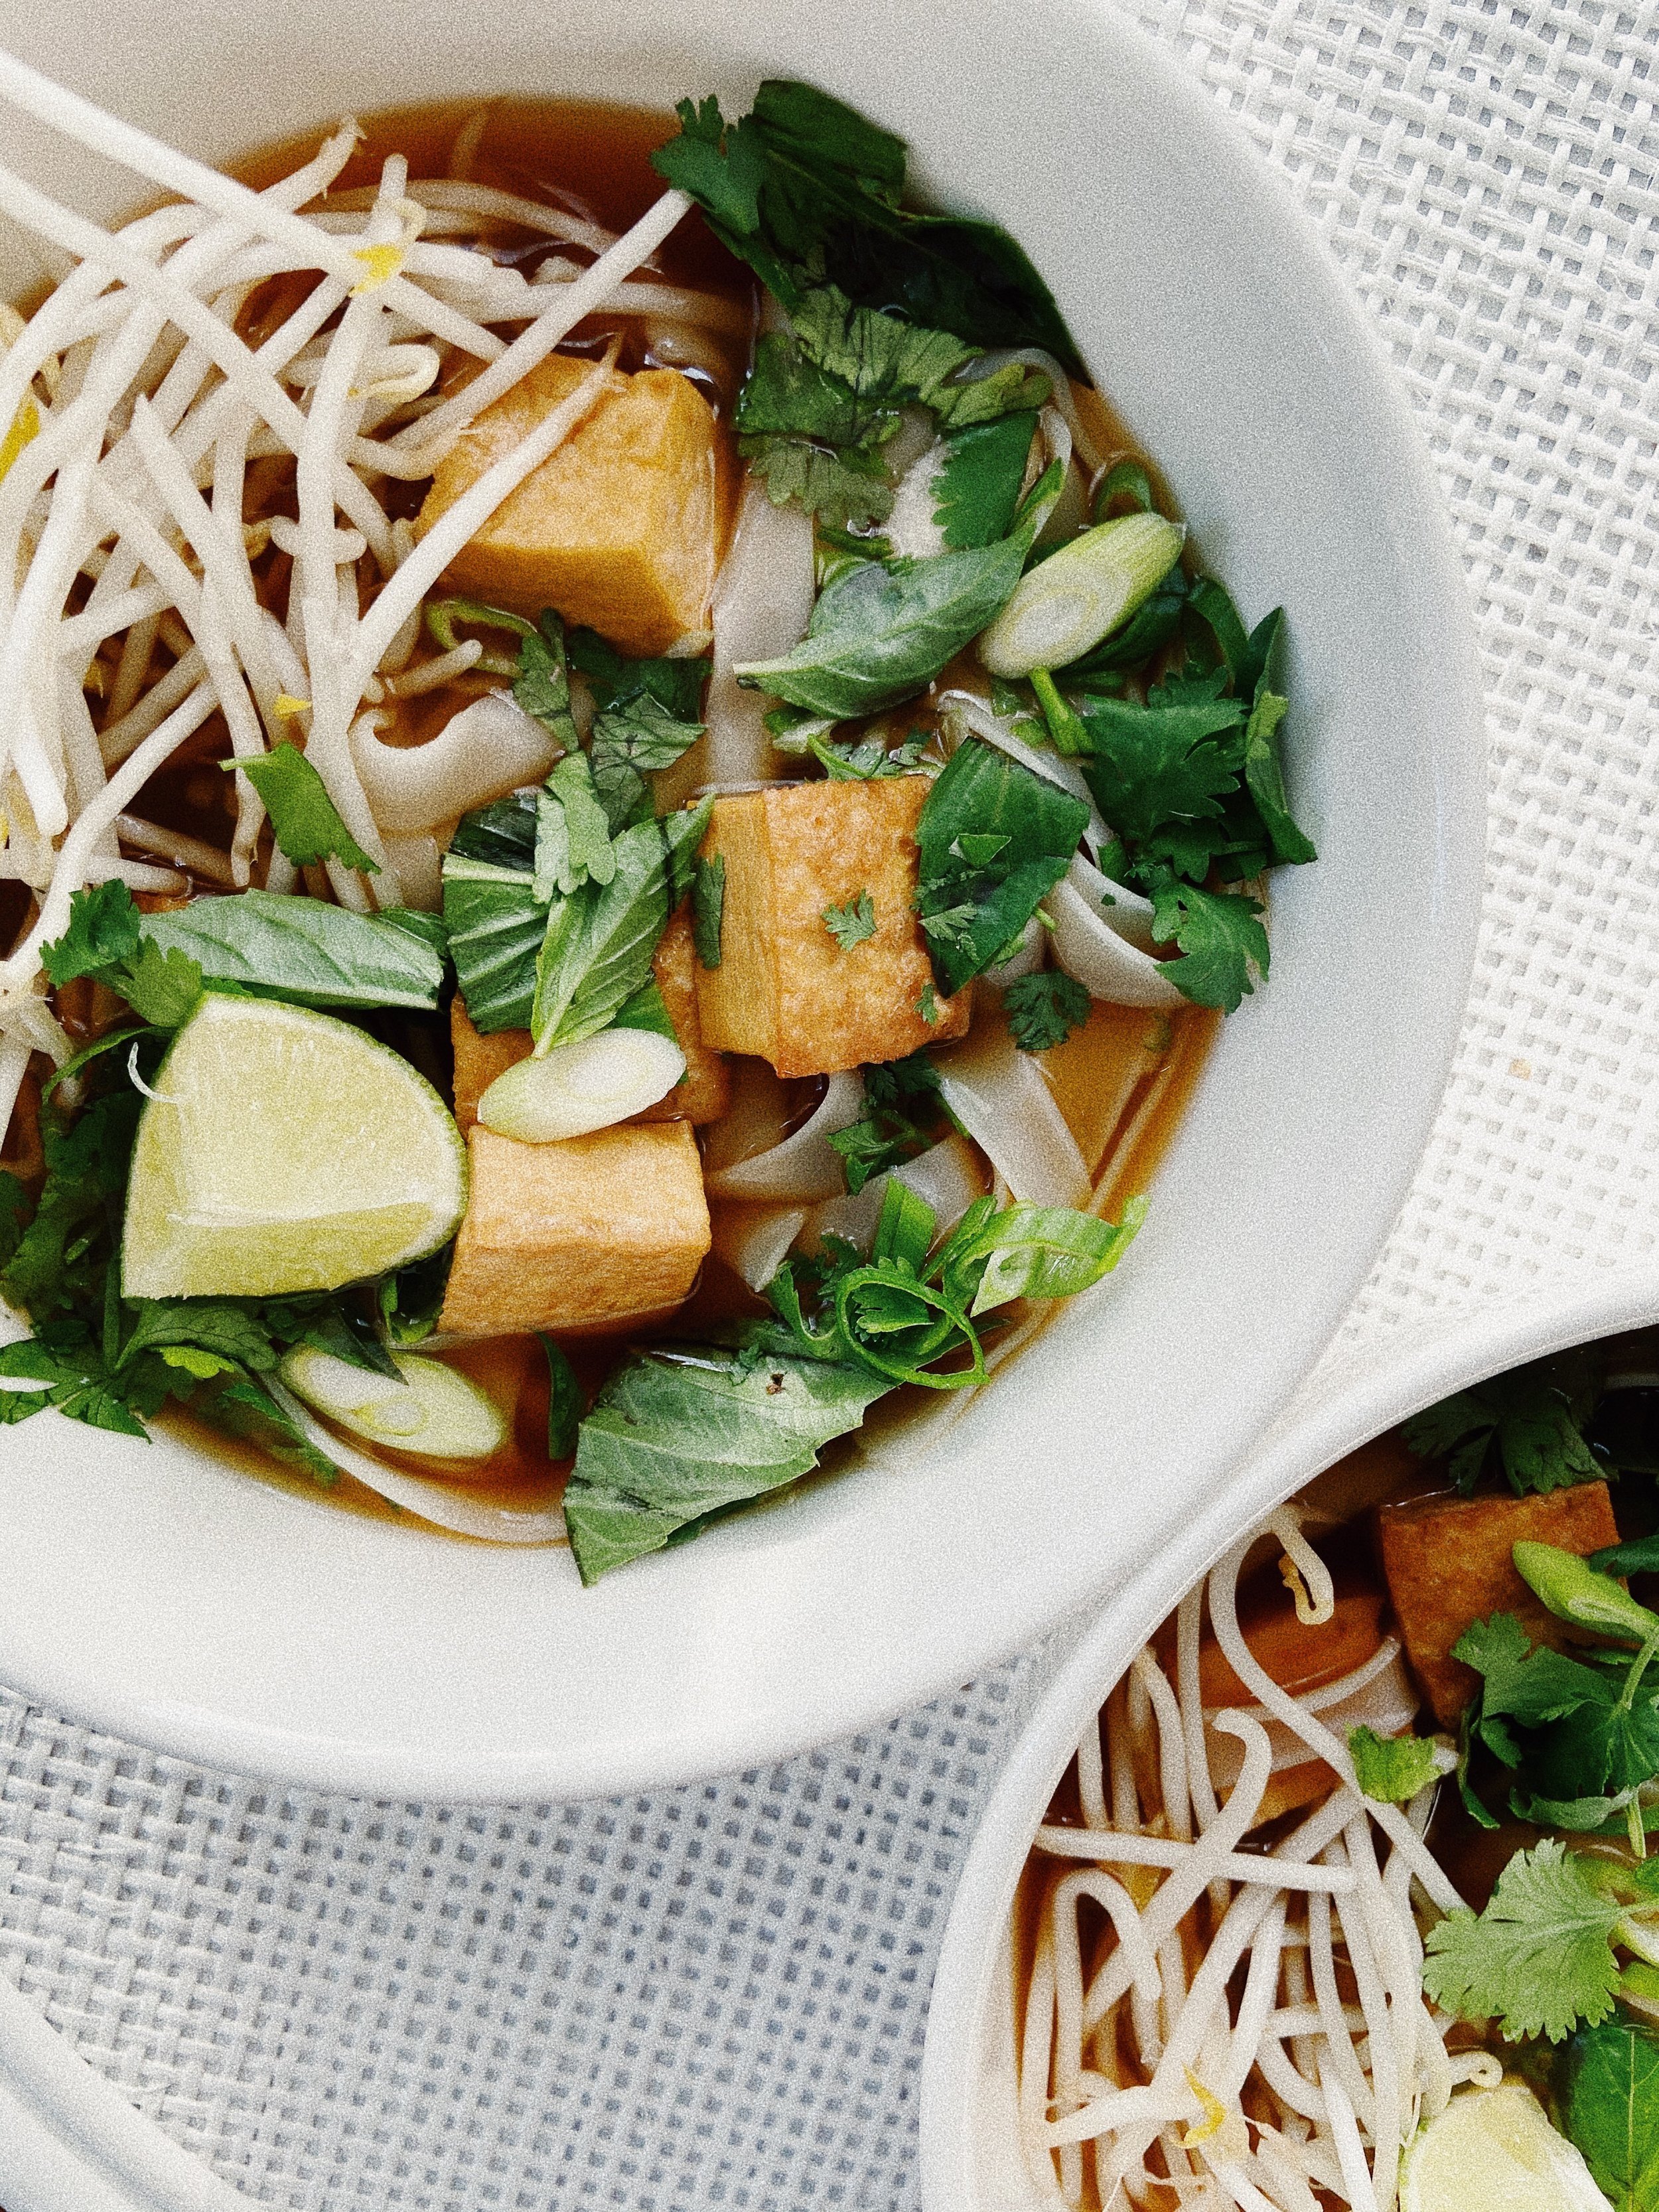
(542, 683)
(970, 909)
(806, 182)
(851, 924)
(1392, 1770)
(1540, 1958)
(304, 819)
(902, 1112)
(1533, 1419)
(1531, 1684)
(1148, 766)
(1043, 1009)
(708, 907)
(845, 488)
(976, 491)
(163, 986)
(103, 931)
(1220, 936)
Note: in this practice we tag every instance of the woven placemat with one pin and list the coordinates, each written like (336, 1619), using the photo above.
(717, 1995)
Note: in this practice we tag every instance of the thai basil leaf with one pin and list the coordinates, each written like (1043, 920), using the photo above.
(274, 945)
(679, 1436)
(503, 833)
(1608, 2097)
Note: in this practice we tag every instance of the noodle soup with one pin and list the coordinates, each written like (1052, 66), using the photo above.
(1344, 1897)
(658, 818)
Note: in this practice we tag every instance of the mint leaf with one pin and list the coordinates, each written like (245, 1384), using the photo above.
(1391, 1770)
(103, 931)
(304, 819)
(851, 924)
(1220, 938)
(709, 908)
(680, 1435)
(1043, 1009)
(496, 926)
(302, 950)
(1607, 2094)
(976, 491)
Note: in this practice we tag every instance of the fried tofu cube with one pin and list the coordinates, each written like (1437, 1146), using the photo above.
(616, 528)
(785, 990)
(582, 1234)
(1447, 1562)
(701, 1093)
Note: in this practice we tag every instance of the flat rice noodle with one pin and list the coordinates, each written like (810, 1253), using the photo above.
(754, 1241)
(805, 1165)
(947, 1175)
(444, 1506)
(488, 749)
(763, 603)
(1106, 964)
(1000, 1098)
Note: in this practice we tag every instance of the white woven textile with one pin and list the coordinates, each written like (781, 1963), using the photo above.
(717, 1995)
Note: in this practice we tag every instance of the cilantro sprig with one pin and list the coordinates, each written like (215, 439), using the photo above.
(1531, 1424)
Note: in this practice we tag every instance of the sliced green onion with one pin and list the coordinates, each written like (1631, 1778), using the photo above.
(578, 1088)
(1062, 609)
(442, 615)
(1125, 480)
(937, 1337)
(427, 1407)
(1064, 725)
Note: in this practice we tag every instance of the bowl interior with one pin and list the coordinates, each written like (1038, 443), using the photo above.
(160, 1592)
(971, 2159)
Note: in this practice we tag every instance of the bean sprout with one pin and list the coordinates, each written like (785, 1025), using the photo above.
(1206, 2017)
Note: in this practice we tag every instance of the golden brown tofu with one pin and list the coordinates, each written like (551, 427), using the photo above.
(785, 990)
(1447, 1562)
(616, 528)
(701, 1093)
(595, 1230)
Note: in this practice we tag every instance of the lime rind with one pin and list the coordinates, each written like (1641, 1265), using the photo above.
(1494, 2150)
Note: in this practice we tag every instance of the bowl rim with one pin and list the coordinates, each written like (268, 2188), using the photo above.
(1361, 1401)
(819, 1709)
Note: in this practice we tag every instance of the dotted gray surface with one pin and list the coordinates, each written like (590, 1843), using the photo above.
(717, 1995)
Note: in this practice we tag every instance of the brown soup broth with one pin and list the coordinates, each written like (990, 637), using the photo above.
(1123, 1080)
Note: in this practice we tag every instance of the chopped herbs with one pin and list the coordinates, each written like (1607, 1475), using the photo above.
(1531, 1423)
(541, 683)
(573, 837)
(900, 1118)
(1043, 1009)
(304, 819)
(994, 839)
(597, 948)
(851, 924)
(1539, 1959)
(1392, 1770)
(804, 183)
(708, 907)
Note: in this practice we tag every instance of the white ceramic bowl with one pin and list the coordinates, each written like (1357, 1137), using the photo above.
(970, 2156)
(167, 1595)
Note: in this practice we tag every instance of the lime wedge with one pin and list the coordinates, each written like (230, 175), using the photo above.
(284, 1150)
(1492, 2150)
